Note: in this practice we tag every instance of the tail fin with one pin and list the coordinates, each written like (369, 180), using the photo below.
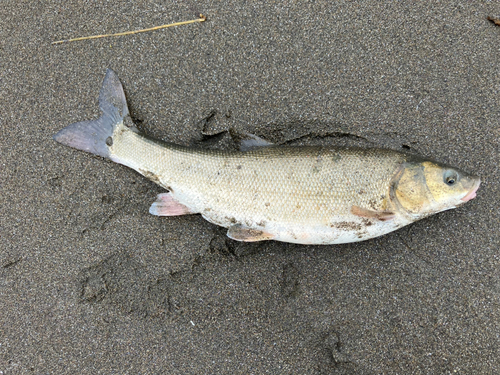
(96, 136)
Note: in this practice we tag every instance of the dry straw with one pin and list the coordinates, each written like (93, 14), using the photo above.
(201, 19)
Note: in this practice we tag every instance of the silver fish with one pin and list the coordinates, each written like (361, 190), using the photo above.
(306, 195)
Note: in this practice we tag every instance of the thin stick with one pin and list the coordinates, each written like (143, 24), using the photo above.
(201, 19)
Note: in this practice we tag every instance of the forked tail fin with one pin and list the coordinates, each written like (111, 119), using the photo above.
(96, 136)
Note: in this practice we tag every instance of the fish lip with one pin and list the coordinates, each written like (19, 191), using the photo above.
(472, 194)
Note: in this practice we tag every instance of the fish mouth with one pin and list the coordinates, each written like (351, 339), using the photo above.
(471, 194)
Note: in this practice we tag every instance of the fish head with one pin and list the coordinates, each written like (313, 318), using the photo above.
(425, 188)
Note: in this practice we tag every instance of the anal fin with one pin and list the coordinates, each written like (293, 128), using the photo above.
(166, 205)
(239, 232)
(380, 215)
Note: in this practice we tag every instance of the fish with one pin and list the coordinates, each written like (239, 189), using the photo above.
(304, 195)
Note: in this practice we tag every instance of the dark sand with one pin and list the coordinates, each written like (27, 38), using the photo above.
(91, 283)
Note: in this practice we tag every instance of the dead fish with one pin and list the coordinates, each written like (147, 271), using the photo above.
(305, 195)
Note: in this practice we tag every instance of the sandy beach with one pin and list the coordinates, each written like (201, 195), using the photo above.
(91, 283)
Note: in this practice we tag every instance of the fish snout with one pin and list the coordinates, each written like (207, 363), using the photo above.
(472, 194)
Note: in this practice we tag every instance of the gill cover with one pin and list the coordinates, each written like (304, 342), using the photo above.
(411, 189)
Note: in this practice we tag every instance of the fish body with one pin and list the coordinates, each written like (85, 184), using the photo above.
(306, 195)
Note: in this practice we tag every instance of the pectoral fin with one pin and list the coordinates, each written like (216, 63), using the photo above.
(166, 205)
(380, 215)
(239, 232)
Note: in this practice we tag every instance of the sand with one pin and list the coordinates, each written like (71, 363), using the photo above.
(91, 283)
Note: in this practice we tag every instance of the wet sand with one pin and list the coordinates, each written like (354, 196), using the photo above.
(90, 282)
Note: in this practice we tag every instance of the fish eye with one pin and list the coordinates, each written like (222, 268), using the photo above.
(450, 177)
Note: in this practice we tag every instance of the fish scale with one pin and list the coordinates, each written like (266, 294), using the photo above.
(295, 189)
(309, 195)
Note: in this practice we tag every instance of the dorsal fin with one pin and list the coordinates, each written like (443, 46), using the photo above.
(248, 141)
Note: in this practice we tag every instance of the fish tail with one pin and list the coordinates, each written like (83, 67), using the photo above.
(97, 136)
